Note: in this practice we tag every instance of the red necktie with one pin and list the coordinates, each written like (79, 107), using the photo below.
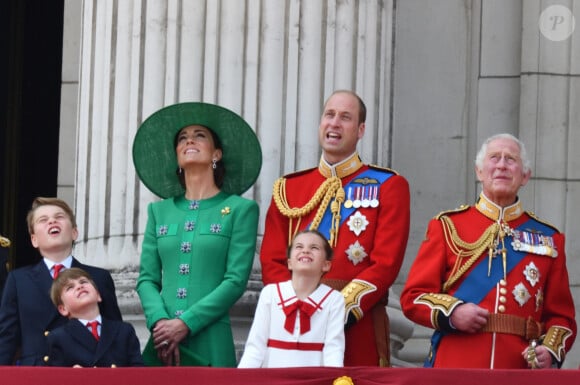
(306, 311)
(56, 269)
(93, 325)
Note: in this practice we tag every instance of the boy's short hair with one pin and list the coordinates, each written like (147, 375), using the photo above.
(327, 248)
(63, 278)
(43, 201)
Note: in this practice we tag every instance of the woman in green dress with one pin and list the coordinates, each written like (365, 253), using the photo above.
(199, 243)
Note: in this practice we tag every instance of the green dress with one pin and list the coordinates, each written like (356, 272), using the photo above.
(195, 263)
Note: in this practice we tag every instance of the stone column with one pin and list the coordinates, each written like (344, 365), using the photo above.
(550, 122)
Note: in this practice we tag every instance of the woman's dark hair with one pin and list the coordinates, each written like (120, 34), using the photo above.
(218, 173)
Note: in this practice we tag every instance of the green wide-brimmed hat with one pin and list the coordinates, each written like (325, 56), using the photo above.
(154, 152)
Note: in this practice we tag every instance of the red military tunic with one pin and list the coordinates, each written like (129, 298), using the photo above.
(369, 250)
(534, 283)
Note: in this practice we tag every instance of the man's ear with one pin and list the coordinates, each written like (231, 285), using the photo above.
(75, 233)
(527, 175)
(478, 174)
(361, 130)
(63, 310)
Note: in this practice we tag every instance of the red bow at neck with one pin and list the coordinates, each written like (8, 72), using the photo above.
(306, 311)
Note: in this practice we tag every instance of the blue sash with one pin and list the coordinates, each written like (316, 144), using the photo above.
(477, 284)
(379, 175)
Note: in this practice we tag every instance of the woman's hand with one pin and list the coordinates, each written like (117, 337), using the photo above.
(167, 334)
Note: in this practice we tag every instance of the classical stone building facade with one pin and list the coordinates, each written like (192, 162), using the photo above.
(437, 77)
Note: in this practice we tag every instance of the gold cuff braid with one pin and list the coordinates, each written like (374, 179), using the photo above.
(353, 293)
(438, 302)
(555, 340)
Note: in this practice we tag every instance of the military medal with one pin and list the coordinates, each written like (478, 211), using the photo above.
(366, 202)
(539, 299)
(534, 243)
(357, 202)
(374, 200)
(348, 202)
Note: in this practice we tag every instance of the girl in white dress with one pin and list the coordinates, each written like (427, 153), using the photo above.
(299, 322)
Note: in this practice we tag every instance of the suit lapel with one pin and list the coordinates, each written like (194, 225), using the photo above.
(41, 279)
(81, 334)
(76, 263)
(109, 331)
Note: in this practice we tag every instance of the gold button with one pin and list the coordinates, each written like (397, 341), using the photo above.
(46, 333)
(502, 299)
(113, 366)
(503, 282)
(503, 291)
(501, 308)
(45, 358)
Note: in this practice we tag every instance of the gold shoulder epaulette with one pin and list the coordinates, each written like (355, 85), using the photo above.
(457, 210)
(380, 168)
(533, 215)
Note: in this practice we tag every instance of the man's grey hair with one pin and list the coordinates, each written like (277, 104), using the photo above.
(523, 153)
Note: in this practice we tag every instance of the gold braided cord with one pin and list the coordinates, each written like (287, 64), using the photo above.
(465, 249)
(330, 188)
(335, 209)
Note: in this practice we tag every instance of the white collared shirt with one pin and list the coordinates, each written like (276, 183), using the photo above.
(67, 262)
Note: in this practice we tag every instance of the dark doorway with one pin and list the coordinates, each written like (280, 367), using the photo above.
(30, 81)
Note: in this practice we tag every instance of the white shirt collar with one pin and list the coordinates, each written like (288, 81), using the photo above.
(67, 263)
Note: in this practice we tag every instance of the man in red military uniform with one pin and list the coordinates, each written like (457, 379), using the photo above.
(363, 211)
(491, 279)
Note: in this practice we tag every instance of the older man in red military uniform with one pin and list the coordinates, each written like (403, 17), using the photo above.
(364, 212)
(491, 279)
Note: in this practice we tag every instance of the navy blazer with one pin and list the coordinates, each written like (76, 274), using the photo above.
(27, 314)
(73, 344)
(3, 267)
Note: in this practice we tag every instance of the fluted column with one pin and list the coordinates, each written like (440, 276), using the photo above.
(108, 109)
(550, 121)
(549, 117)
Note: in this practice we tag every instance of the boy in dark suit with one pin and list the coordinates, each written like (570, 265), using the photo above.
(87, 339)
(27, 315)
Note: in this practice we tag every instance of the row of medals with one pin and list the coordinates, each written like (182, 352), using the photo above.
(364, 196)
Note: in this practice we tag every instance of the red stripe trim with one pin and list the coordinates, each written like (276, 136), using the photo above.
(311, 346)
